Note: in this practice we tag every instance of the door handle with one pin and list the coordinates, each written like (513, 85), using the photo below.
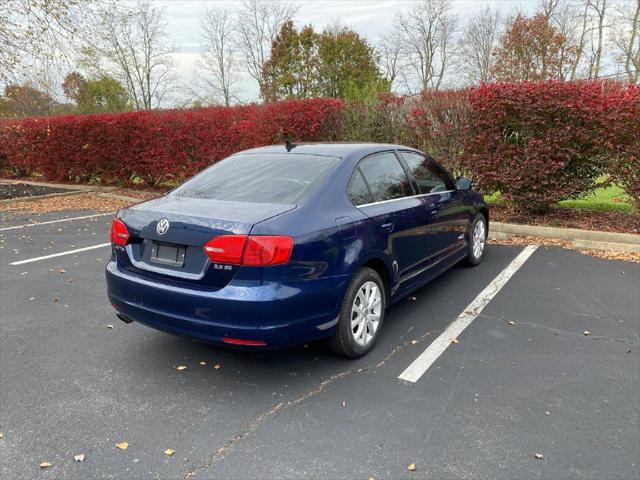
(387, 226)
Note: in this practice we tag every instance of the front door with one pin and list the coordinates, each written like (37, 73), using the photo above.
(446, 217)
(397, 213)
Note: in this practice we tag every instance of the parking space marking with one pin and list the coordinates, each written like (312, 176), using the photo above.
(16, 227)
(53, 255)
(421, 364)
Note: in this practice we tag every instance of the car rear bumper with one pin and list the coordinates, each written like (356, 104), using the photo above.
(278, 314)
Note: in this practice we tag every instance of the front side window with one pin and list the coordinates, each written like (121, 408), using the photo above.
(385, 176)
(428, 176)
(259, 178)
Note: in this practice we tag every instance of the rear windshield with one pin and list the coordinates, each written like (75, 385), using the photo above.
(258, 178)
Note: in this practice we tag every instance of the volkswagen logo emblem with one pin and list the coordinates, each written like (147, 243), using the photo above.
(163, 226)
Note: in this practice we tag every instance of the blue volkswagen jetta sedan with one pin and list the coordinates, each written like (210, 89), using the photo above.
(283, 245)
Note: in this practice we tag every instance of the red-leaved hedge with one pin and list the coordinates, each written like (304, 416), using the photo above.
(156, 147)
(539, 143)
(536, 143)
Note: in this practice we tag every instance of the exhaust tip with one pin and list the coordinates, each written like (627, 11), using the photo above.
(124, 318)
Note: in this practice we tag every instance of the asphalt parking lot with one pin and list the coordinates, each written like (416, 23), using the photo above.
(522, 379)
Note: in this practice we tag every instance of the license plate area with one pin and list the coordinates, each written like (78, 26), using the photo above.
(168, 254)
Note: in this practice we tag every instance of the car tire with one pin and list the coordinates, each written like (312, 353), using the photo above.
(362, 311)
(477, 240)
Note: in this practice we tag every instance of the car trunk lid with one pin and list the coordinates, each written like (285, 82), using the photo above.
(172, 251)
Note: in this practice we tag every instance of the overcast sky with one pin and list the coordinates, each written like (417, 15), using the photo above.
(370, 18)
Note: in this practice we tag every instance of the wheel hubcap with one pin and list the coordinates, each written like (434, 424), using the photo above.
(478, 239)
(365, 313)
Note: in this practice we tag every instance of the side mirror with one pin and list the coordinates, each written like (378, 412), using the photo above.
(463, 183)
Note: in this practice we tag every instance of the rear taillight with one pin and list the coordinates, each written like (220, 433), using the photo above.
(250, 250)
(226, 248)
(267, 250)
(119, 232)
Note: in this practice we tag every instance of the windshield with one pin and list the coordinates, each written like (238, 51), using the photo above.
(258, 178)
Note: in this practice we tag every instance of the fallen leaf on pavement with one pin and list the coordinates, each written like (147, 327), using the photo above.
(217, 366)
(412, 467)
(587, 332)
(181, 367)
(62, 270)
(344, 404)
(454, 340)
(169, 451)
(539, 456)
(413, 299)
(414, 342)
(79, 457)
(45, 465)
(1, 435)
(204, 364)
(109, 326)
(122, 445)
(511, 322)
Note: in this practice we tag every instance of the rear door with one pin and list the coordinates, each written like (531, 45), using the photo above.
(381, 189)
(446, 217)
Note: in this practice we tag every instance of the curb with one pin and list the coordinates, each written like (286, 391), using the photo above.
(67, 186)
(120, 197)
(580, 239)
(38, 197)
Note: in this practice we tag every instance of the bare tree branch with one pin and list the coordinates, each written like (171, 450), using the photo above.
(478, 44)
(257, 24)
(427, 32)
(218, 66)
(625, 38)
(131, 46)
(391, 57)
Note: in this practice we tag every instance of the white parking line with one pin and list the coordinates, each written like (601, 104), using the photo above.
(440, 344)
(68, 252)
(56, 221)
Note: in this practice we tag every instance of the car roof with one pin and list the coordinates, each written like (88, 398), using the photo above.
(337, 149)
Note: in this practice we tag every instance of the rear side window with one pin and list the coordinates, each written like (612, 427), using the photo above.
(385, 176)
(259, 178)
(358, 191)
(429, 177)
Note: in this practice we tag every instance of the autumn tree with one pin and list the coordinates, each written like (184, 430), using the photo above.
(25, 101)
(348, 66)
(565, 16)
(72, 86)
(335, 63)
(292, 68)
(531, 49)
(100, 95)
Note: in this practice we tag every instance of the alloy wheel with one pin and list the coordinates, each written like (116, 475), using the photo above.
(478, 239)
(365, 313)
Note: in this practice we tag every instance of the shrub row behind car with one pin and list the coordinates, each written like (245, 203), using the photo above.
(536, 143)
(156, 146)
